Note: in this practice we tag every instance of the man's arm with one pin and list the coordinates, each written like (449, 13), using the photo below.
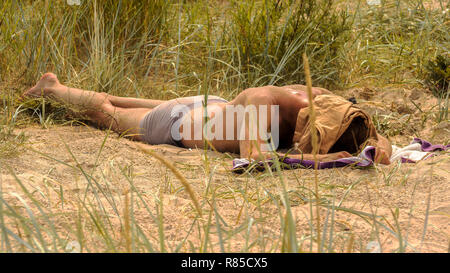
(251, 146)
(383, 152)
(319, 157)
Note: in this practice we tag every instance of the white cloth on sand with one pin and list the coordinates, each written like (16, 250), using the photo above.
(411, 152)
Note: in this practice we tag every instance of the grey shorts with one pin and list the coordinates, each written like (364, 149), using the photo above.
(156, 126)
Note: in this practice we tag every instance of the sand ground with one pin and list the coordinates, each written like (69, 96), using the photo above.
(405, 204)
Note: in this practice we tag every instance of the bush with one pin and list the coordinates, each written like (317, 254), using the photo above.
(108, 39)
(438, 76)
(271, 36)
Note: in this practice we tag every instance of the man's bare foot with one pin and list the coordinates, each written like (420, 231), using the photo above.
(47, 82)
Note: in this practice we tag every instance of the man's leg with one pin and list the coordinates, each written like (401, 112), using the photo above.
(124, 102)
(124, 121)
(97, 106)
(49, 85)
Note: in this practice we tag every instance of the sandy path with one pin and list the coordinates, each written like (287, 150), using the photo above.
(380, 191)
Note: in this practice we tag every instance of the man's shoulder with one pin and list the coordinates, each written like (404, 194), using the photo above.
(263, 94)
(261, 89)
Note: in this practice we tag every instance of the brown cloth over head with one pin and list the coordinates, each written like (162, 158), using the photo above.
(341, 126)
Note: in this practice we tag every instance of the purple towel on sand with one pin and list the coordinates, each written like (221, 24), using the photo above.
(364, 159)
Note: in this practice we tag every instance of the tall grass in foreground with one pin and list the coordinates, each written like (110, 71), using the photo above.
(104, 209)
(315, 142)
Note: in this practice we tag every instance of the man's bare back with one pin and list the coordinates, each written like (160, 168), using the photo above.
(290, 100)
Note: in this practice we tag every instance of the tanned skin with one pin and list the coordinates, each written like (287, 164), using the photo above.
(123, 115)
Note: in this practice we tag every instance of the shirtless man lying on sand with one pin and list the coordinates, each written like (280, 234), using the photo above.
(152, 121)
